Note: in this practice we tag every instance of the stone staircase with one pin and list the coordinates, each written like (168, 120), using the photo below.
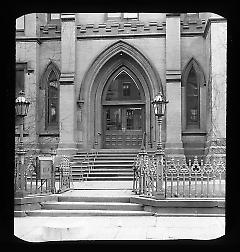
(105, 165)
(72, 206)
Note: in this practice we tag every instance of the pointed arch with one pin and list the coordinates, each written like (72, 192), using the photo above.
(121, 47)
(193, 63)
(51, 67)
(193, 83)
(119, 55)
(50, 84)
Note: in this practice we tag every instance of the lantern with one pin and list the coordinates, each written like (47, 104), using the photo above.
(21, 105)
(159, 105)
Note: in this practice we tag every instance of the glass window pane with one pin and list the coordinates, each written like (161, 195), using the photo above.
(192, 98)
(123, 88)
(19, 81)
(192, 109)
(53, 110)
(134, 119)
(113, 119)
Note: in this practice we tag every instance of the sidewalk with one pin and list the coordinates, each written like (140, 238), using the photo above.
(40, 229)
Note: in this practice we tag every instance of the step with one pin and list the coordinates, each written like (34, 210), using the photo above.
(92, 206)
(71, 213)
(123, 199)
(112, 170)
(110, 178)
(109, 174)
(122, 161)
(116, 154)
(114, 157)
(113, 165)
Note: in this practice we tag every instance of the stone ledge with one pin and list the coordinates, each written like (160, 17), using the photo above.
(33, 202)
(121, 27)
(179, 202)
(35, 199)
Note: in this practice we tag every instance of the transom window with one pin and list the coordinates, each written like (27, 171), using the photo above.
(122, 88)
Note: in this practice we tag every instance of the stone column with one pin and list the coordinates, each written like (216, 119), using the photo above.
(174, 144)
(67, 143)
(216, 124)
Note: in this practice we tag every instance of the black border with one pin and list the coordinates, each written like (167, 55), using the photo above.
(14, 9)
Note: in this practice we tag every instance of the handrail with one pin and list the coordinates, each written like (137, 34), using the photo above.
(136, 163)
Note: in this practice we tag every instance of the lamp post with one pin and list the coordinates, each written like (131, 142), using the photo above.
(159, 106)
(21, 110)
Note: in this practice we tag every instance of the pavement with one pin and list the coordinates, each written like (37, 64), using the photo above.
(42, 229)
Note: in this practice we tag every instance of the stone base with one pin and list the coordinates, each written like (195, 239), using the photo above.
(67, 149)
(216, 149)
(174, 150)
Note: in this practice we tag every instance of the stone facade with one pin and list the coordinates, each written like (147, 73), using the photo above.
(156, 49)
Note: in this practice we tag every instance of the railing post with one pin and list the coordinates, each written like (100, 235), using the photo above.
(160, 194)
(20, 190)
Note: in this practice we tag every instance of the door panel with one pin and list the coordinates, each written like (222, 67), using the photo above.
(123, 126)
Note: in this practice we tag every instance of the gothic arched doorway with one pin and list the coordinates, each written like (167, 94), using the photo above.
(123, 111)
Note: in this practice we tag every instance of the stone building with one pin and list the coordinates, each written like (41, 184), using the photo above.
(91, 78)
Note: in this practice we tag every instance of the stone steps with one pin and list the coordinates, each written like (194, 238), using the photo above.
(102, 198)
(116, 178)
(74, 213)
(92, 206)
(102, 205)
(106, 165)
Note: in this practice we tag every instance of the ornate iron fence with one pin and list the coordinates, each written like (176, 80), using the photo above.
(32, 185)
(63, 173)
(60, 180)
(194, 178)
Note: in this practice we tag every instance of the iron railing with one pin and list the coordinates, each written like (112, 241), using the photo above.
(60, 180)
(88, 163)
(181, 178)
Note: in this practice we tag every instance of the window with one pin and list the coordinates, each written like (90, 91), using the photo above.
(126, 89)
(192, 99)
(122, 16)
(123, 88)
(194, 91)
(50, 83)
(52, 100)
(20, 23)
(20, 76)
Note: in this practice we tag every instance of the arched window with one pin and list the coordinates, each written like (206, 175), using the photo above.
(50, 83)
(193, 83)
(122, 88)
(52, 100)
(192, 99)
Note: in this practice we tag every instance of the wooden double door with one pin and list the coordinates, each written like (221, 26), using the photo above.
(123, 126)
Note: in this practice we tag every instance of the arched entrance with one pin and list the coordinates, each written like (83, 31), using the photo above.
(120, 63)
(123, 111)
